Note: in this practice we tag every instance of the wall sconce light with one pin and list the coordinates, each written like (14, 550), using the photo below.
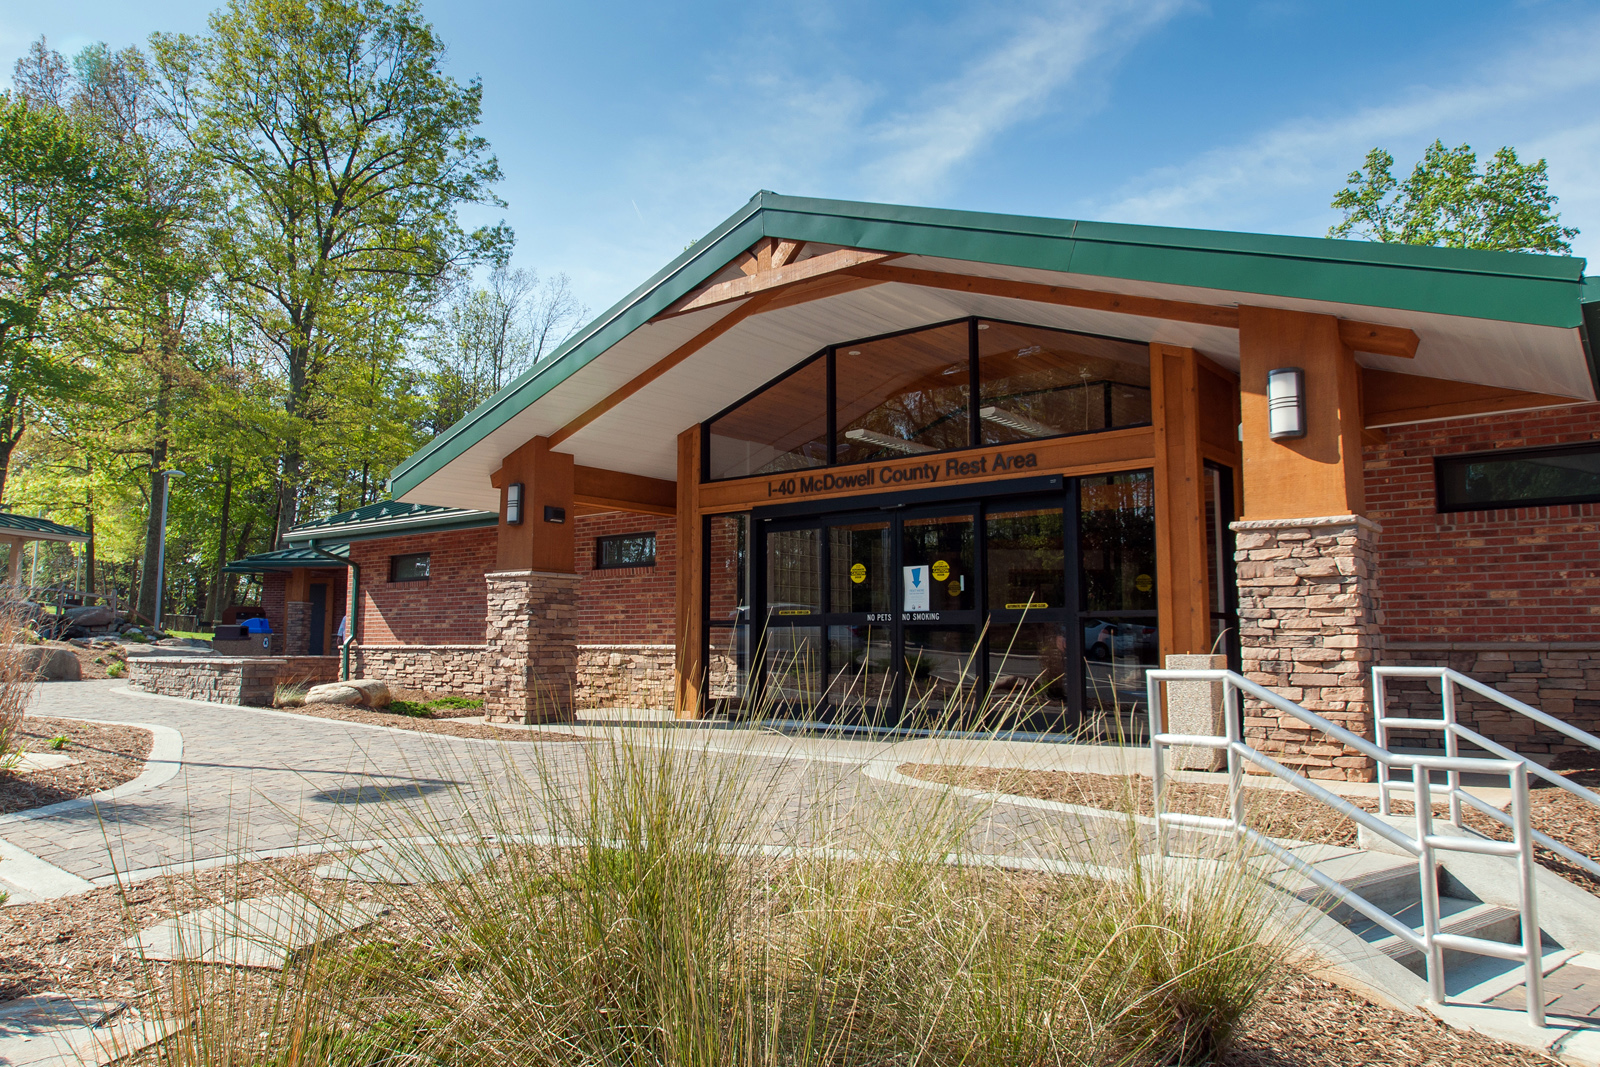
(554, 514)
(1286, 403)
(514, 504)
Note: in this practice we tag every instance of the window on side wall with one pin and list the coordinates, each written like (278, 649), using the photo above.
(625, 550)
(1519, 478)
(409, 568)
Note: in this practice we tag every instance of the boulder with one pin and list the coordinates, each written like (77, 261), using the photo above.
(184, 642)
(366, 692)
(47, 664)
(334, 693)
(91, 616)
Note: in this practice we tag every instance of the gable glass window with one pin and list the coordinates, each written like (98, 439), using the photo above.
(1519, 478)
(625, 550)
(410, 568)
(940, 388)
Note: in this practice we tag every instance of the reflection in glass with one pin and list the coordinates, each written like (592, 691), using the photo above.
(1042, 383)
(784, 427)
(1116, 540)
(794, 573)
(858, 562)
(941, 676)
(1114, 689)
(945, 546)
(1027, 676)
(1026, 560)
(903, 395)
(792, 658)
(728, 608)
(860, 666)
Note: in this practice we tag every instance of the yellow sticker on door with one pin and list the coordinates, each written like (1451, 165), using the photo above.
(858, 572)
(941, 570)
(1144, 583)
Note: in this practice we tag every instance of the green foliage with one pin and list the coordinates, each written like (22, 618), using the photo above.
(1447, 200)
(422, 709)
(116, 669)
(59, 742)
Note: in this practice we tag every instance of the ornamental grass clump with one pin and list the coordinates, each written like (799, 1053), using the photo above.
(17, 679)
(709, 898)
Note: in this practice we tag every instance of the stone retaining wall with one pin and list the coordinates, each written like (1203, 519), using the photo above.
(212, 678)
(454, 669)
(626, 676)
(1559, 678)
(531, 638)
(1309, 629)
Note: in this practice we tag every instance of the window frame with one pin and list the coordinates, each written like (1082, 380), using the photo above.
(1440, 462)
(394, 567)
(974, 391)
(600, 563)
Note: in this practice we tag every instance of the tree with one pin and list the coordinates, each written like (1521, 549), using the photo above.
(344, 153)
(1448, 201)
(65, 219)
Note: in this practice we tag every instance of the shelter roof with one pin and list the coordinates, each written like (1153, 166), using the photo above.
(702, 332)
(284, 559)
(388, 518)
(30, 528)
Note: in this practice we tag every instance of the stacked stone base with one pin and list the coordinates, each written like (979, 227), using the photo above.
(214, 679)
(456, 670)
(530, 632)
(1309, 630)
(626, 676)
(1559, 678)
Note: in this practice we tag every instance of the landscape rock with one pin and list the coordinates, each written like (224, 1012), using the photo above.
(47, 664)
(374, 693)
(334, 693)
(91, 616)
(184, 642)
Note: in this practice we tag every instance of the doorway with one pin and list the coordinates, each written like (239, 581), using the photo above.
(1000, 609)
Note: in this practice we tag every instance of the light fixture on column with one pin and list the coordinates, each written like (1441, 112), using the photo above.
(514, 504)
(1286, 403)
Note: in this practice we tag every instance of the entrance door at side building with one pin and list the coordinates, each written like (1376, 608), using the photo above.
(319, 618)
(1032, 612)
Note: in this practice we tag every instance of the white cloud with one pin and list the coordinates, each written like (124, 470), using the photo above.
(1524, 98)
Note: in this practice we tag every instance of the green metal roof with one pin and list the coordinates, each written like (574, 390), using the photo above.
(35, 529)
(284, 559)
(388, 518)
(1505, 286)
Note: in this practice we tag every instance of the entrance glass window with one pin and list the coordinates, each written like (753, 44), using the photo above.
(1027, 612)
(1045, 383)
(903, 395)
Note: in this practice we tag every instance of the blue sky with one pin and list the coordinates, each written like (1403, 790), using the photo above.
(627, 130)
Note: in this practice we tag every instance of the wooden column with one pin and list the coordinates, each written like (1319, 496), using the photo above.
(691, 635)
(548, 481)
(1181, 582)
(1319, 474)
(13, 560)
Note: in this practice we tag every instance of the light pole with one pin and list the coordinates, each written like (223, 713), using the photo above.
(161, 550)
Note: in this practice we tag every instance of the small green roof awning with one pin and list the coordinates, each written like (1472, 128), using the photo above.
(29, 528)
(284, 559)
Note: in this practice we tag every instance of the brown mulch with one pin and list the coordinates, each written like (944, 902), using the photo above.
(92, 662)
(1276, 812)
(102, 757)
(1307, 1022)
(447, 726)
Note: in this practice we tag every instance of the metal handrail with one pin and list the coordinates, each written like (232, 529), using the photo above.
(1430, 941)
(1455, 733)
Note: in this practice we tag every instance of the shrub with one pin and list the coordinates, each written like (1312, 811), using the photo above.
(59, 742)
(116, 668)
(292, 695)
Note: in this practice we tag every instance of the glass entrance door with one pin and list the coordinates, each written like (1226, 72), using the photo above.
(1006, 612)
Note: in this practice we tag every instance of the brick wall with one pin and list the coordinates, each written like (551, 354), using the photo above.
(632, 605)
(1528, 574)
(274, 591)
(446, 609)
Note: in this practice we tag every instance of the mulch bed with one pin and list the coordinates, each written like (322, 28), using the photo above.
(1276, 812)
(437, 725)
(102, 757)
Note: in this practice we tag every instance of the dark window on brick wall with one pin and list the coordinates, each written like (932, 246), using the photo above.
(1519, 478)
(411, 568)
(625, 550)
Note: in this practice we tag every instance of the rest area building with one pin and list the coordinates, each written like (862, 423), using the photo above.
(859, 462)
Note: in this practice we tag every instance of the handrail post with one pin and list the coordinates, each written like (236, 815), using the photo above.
(1532, 946)
(1380, 734)
(1422, 797)
(1231, 713)
(1452, 747)
(1158, 777)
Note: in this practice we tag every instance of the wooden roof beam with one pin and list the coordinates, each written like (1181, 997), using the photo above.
(778, 276)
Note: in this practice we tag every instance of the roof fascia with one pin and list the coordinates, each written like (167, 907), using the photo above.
(329, 536)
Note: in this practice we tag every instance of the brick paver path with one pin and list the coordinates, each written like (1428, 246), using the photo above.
(255, 780)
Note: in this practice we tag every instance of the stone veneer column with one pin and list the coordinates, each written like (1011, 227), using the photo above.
(297, 628)
(1309, 629)
(531, 658)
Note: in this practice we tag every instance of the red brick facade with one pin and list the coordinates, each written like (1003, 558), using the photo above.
(274, 591)
(446, 609)
(1527, 574)
(629, 605)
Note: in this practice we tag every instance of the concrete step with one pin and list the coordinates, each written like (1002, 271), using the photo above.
(1489, 922)
(1392, 887)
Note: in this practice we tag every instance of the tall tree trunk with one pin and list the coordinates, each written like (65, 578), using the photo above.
(214, 606)
(159, 482)
(88, 548)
